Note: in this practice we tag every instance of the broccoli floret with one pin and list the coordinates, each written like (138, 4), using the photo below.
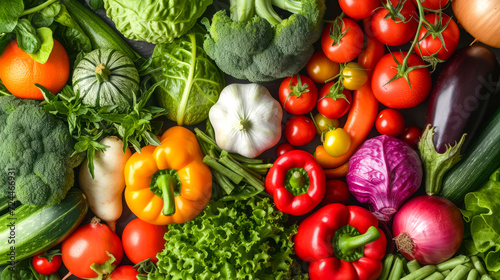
(38, 146)
(255, 44)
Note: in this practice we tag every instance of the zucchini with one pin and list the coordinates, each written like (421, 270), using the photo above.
(38, 228)
(101, 35)
(480, 161)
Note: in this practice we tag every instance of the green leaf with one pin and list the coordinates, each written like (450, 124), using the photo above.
(52, 10)
(38, 20)
(27, 38)
(71, 34)
(42, 55)
(10, 11)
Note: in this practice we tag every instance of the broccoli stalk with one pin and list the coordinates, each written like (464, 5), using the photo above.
(256, 44)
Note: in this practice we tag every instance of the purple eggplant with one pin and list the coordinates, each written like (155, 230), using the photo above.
(457, 104)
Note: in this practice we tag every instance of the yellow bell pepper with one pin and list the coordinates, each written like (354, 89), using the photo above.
(168, 183)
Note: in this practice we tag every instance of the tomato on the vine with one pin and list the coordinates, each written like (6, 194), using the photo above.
(298, 94)
(411, 135)
(336, 191)
(299, 130)
(396, 24)
(124, 272)
(284, 148)
(401, 93)
(47, 263)
(142, 240)
(354, 76)
(336, 142)
(443, 29)
(390, 122)
(333, 104)
(324, 124)
(320, 68)
(359, 9)
(342, 40)
(433, 4)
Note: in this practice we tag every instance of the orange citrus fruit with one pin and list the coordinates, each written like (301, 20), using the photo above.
(19, 72)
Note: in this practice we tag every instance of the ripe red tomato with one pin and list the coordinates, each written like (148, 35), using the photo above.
(432, 44)
(320, 68)
(142, 240)
(398, 94)
(47, 263)
(359, 9)
(283, 149)
(124, 272)
(90, 244)
(411, 135)
(340, 48)
(395, 31)
(336, 191)
(298, 94)
(334, 105)
(433, 4)
(299, 130)
(390, 122)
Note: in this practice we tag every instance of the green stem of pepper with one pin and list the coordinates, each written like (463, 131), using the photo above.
(349, 244)
(166, 184)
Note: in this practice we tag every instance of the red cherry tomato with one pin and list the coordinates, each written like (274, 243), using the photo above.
(432, 44)
(359, 9)
(398, 94)
(142, 240)
(298, 94)
(342, 48)
(411, 135)
(283, 149)
(395, 31)
(336, 191)
(90, 244)
(320, 68)
(299, 130)
(46, 264)
(334, 105)
(390, 122)
(433, 4)
(124, 272)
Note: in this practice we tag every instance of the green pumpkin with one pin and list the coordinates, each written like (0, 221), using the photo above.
(106, 77)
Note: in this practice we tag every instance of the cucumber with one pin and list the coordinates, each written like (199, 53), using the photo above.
(101, 35)
(38, 228)
(474, 169)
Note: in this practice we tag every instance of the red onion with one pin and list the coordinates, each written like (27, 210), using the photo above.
(428, 229)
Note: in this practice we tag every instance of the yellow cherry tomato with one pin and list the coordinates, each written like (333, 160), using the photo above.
(354, 76)
(324, 124)
(320, 68)
(336, 142)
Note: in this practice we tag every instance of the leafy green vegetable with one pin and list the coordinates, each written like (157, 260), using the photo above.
(190, 81)
(38, 147)
(244, 239)
(25, 271)
(482, 213)
(10, 11)
(254, 43)
(155, 21)
(70, 33)
(26, 36)
(42, 55)
(96, 4)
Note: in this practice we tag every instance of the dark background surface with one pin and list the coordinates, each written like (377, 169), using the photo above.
(413, 116)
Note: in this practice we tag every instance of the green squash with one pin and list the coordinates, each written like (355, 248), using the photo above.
(106, 77)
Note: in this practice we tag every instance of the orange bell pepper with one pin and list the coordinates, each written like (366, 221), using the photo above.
(168, 183)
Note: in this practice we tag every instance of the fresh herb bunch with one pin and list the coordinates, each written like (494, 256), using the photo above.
(89, 125)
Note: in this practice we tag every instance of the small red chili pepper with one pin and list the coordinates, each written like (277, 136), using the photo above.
(297, 182)
(341, 242)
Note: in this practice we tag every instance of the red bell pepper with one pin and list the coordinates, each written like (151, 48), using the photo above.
(297, 182)
(341, 242)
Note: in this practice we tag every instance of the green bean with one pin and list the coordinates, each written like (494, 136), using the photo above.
(435, 276)
(420, 273)
(473, 274)
(386, 268)
(413, 265)
(478, 265)
(396, 270)
(452, 263)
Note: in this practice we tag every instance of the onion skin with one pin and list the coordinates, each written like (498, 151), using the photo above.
(435, 226)
(481, 18)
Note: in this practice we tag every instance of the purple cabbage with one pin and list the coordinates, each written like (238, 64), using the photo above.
(383, 173)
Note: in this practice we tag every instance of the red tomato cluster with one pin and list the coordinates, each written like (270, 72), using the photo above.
(93, 246)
